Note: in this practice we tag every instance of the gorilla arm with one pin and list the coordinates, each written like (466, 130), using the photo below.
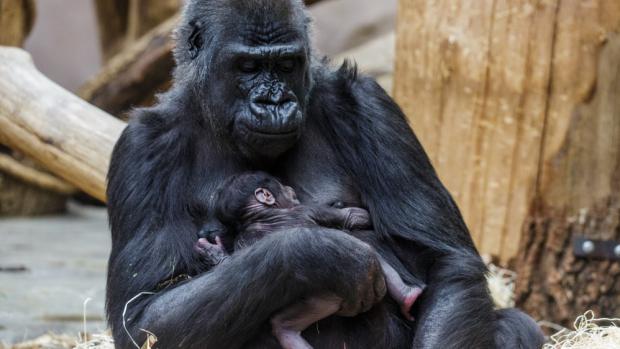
(407, 201)
(152, 240)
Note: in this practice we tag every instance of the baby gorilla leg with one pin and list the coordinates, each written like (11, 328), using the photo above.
(402, 293)
(288, 324)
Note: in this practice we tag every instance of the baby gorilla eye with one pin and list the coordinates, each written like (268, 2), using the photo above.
(249, 65)
(287, 65)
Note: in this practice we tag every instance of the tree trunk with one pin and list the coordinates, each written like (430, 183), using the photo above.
(112, 18)
(485, 85)
(121, 22)
(516, 102)
(68, 136)
(579, 197)
(16, 21)
(24, 191)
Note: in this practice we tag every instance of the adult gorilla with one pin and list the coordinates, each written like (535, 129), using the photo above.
(248, 96)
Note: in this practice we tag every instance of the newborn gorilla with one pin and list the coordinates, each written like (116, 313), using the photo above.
(255, 204)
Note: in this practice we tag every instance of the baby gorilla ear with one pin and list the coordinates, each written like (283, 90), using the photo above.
(264, 196)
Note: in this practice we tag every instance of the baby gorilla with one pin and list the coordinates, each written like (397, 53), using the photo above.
(252, 205)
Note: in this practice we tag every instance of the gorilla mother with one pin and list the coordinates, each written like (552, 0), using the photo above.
(249, 96)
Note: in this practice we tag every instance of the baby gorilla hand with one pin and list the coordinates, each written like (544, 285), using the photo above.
(356, 218)
(212, 252)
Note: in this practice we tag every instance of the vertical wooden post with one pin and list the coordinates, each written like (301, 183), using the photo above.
(579, 196)
(516, 102)
(481, 82)
(16, 21)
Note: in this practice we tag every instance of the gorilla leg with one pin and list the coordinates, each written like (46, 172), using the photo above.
(288, 324)
(517, 330)
(456, 304)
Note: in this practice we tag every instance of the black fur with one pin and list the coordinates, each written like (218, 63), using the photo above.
(352, 145)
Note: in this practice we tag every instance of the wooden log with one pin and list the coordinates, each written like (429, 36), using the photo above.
(481, 82)
(132, 77)
(121, 22)
(25, 190)
(517, 104)
(68, 136)
(579, 196)
(112, 21)
(34, 177)
(21, 199)
(16, 21)
(145, 15)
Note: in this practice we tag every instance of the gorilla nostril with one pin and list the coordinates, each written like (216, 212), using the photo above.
(276, 99)
(263, 100)
(259, 109)
(280, 105)
(287, 110)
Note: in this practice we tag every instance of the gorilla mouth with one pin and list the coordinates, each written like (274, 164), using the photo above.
(273, 134)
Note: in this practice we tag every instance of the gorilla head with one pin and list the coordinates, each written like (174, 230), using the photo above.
(246, 63)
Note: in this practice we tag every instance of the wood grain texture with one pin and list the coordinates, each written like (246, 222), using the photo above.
(29, 175)
(16, 20)
(68, 136)
(132, 77)
(122, 22)
(579, 196)
(489, 87)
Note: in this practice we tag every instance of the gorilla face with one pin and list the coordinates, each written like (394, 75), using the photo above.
(270, 85)
(257, 78)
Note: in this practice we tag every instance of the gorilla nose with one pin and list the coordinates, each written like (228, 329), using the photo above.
(272, 96)
(279, 107)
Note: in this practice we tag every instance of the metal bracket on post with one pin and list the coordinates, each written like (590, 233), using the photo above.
(596, 249)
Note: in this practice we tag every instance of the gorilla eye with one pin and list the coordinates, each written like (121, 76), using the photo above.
(287, 65)
(249, 65)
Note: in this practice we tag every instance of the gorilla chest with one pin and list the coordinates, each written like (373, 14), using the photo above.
(318, 179)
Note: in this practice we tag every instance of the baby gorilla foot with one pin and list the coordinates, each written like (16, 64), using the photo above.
(356, 218)
(212, 252)
(408, 296)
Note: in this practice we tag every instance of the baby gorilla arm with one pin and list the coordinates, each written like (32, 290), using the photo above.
(257, 282)
(349, 218)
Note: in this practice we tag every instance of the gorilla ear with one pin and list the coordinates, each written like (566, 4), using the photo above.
(195, 40)
(264, 196)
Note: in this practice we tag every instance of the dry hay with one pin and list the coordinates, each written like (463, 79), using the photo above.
(48, 341)
(99, 341)
(589, 333)
(501, 283)
(54, 341)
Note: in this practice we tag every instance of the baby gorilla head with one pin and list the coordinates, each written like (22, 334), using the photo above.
(251, 191)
